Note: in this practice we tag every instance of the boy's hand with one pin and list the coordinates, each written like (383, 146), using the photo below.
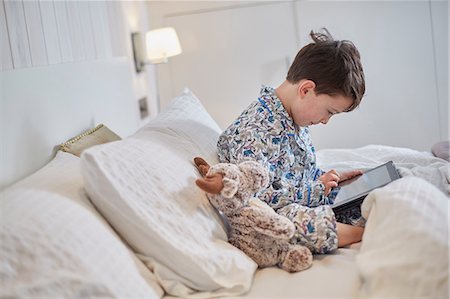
(347, 175)
(329, 179)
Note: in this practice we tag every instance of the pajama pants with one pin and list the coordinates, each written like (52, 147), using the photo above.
(352, 217)
(315, 227)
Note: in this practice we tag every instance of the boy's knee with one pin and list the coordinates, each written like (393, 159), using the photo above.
(315, 227)
(326, 241)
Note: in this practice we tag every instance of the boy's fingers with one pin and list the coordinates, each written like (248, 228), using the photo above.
(332, 184)
(350, 174)
(330, 176)
(332, 171)
(335, 177)
(329, 186)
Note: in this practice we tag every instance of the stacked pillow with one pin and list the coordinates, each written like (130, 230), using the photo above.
(55, 244)
(144, 185)
(98, 135)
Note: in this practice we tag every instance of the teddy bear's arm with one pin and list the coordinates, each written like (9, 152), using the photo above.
(269, 223)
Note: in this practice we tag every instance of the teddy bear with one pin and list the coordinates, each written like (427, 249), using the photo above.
(254, 227)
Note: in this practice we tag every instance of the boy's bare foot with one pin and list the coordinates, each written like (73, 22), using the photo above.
(348, 234)
(202, 166)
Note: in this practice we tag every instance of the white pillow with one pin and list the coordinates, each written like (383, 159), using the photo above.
(145, 186)
(54, 243)
(187, 119)
(404, 252)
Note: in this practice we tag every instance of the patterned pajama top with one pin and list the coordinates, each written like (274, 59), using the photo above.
(266, 133)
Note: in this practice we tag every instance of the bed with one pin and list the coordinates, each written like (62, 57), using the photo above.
(126, 220)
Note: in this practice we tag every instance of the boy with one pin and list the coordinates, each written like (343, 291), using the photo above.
(326, 78)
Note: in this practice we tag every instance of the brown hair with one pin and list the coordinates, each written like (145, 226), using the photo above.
(334, 66)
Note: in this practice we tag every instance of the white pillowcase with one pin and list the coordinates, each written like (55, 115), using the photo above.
(404, 253)
(54, 243)
(145, 186)
(187, 119)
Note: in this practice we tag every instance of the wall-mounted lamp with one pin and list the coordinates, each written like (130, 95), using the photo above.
(160, 44)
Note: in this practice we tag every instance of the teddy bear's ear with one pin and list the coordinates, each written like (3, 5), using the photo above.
(212, 184)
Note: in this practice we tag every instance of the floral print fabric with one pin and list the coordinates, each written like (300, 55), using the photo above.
(266, 133)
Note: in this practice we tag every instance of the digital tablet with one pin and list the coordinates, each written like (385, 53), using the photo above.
(352, 192)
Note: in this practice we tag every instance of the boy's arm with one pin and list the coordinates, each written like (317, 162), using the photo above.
(310, 193)
(246, 140)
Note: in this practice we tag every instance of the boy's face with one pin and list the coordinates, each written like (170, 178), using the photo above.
(312, 109)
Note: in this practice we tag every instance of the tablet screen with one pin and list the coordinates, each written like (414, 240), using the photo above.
(363, 184)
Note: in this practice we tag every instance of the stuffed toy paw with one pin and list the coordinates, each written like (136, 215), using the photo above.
(255, 228)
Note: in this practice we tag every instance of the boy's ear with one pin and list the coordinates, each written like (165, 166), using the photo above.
(305, 86)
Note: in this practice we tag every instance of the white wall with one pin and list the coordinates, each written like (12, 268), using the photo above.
(230, 49)
(395, 38)
(441, 38)
(225, 64)
(35, 118)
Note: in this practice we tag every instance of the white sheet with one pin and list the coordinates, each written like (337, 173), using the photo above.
(54, 244)
(351, 273)
(331, 276)
(410, 162)
(405, 249)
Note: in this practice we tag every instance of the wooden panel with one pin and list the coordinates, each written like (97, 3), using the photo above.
(6, 62)
(65, 42)
(35, 33)
(117, 28)
(74, 21)
(50, 29)
(18, 36)
(86, 30)
(102, 35)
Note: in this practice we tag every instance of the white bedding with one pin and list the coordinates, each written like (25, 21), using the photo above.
(331, 276)
(54, 244)
(404, 252)
(405, 247)
(410, 162)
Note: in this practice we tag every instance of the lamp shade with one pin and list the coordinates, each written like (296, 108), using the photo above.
(162, 43)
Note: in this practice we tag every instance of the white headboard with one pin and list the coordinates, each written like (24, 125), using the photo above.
(42, 107)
